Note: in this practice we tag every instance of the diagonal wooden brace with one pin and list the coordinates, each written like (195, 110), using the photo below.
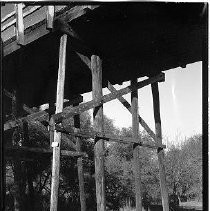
(40, 115)
(69, 111)
(128, 106)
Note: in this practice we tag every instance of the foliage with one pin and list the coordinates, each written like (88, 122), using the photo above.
(183, 171)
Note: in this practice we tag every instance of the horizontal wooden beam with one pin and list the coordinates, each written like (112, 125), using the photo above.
(128, 106)
(108, 137)
(24, 149)
(71, 111)
(40, 115)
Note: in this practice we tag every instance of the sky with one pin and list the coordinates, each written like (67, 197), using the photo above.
(180, 104)
(180, 101)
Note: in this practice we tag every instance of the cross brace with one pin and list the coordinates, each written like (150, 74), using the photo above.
(107, 137)
(40, 115)
(128, 106)
(69, 111)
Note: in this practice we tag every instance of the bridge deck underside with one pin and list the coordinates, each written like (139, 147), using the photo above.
(133, 40)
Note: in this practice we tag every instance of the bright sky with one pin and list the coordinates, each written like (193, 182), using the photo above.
(180, 104)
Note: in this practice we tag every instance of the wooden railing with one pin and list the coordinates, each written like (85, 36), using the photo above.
(20, 12)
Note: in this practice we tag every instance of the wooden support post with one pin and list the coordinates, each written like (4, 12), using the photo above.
(160, 152)
(2, 149)
(50, 16)
(135, 128)
(18, 179)
(19, 23)
(96, 69)
(80, 165)
(29, 171)
(57, 135)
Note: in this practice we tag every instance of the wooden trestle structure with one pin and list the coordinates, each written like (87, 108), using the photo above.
(67, 26)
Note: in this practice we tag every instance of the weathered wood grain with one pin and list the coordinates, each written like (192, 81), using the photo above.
(160, 152)
(136, 150)
(98, 122)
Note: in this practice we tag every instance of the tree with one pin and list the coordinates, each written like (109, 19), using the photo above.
(184, 169)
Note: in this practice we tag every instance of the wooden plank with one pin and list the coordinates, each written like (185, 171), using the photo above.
(23, 149)
(50, 16)
(160, 152)
(96, 70)
(71, 111)
(19, 24)
(108, 137)
(136, 150)
(80, 166)
(128, 106)
(57, 135)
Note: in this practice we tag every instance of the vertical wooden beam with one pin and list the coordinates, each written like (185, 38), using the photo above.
(18, 201)
(19, 23)
(27, 142)
(135, 129)
(50, 16)
(2, 149)
(160, 152)
(57, 135)
(79, 165)
(96, 69)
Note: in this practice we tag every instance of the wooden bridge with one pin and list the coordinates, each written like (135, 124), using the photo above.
(91, 47)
